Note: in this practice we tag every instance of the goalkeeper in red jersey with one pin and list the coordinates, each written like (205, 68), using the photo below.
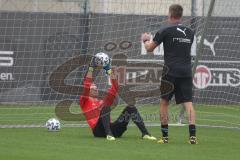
(97, 112)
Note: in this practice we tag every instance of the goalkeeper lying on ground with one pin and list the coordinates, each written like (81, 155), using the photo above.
(97, 112)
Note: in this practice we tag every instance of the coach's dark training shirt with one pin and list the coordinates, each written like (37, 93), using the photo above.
(177, 41)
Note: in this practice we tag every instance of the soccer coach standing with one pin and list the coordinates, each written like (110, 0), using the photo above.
(177, 41)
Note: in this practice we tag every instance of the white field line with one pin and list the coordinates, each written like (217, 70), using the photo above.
(160, 60)
(131, 125)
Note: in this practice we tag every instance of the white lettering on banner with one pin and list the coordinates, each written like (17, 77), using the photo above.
(6, 60)
(225, 77)
(138, 75)
(205, 77)
(6, 76)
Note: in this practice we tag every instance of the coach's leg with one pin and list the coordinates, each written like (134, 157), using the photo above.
(191, 118)
(181, 114)
(190, 112)
(164, 102)
(164, 117)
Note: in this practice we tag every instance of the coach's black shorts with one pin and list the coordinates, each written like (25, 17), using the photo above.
(182, 89)
(117, 129)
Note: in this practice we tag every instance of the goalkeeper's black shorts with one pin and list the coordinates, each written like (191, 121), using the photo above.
(117, 128)
(182, 89)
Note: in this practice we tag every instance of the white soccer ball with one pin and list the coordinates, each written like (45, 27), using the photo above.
(102, 59)
(53, 125)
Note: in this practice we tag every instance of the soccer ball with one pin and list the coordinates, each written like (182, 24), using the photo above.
(53, 124)
(102, 59)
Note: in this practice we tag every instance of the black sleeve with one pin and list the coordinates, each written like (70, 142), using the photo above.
(159, 36)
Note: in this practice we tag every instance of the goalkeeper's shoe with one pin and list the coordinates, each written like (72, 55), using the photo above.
(149, 137)
(110, 138)
(163, 140)
(192, 140)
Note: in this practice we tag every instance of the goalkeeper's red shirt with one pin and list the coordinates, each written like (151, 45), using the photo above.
(92, 108)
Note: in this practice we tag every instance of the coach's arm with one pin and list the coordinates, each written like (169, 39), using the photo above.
(148, 43)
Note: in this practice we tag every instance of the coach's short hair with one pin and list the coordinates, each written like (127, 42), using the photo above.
(176, 11)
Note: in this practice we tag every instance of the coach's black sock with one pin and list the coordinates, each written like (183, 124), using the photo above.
(137, 119)
(192, 130)
(164, 128)
(105, 117)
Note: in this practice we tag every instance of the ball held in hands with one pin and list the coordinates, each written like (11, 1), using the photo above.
(101, 59)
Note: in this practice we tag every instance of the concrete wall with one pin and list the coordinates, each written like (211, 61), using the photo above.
(222, 8)
(42, 6)
(139, 7)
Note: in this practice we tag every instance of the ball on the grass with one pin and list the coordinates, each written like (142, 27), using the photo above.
(102, 59)
(53, 124)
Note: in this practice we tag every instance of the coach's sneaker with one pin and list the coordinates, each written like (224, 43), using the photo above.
(163, 140)
(110, 138)
(149, 137)
(192, 140)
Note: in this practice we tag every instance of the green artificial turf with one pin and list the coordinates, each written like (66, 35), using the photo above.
(219, 115)
(78, 143)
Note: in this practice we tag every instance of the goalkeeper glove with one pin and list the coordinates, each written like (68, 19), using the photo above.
(92, 64)
(108, 67)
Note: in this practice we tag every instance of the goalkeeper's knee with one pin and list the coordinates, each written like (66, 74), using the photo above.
(131, 109)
